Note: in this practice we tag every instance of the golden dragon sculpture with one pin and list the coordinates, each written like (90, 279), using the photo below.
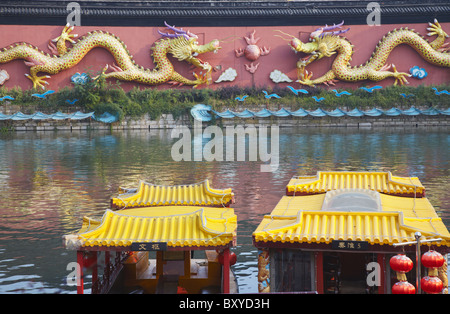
(181, 44)
(325, 42)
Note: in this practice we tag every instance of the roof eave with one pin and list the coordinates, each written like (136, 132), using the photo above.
(217, 13)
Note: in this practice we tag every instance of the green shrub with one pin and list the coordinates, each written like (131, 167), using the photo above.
(112, 108)
(101, 96)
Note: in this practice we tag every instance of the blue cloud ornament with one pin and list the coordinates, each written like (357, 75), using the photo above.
(80, 78)
(418, 72)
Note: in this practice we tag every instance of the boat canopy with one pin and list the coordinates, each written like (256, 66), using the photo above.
(372, 215)
(177, 226)
(172, 218)
(383, 182)
(149, 194)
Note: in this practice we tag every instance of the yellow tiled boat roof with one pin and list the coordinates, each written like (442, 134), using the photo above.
(301, 219)
(383, 182)
(157, 195)
(178, 226)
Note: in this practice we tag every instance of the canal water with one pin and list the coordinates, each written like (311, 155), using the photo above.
(50, 180)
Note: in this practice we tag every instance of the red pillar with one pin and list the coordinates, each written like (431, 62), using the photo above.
(381, 262)
(226, 270)
(94, 269)
(319, 272)
(80, 283)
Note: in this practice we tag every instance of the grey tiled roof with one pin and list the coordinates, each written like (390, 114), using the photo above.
(213, 12)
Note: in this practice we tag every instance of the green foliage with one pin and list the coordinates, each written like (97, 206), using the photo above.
(101, 96)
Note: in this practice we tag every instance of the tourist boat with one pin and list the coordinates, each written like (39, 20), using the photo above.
(156, 234)
(343, 232)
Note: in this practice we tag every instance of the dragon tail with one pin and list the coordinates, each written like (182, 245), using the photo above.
(406, 36)
(30, 54)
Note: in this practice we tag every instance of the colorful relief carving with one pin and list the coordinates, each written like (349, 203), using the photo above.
(252, 52)
(339, 94)
(242, 98)
(43, 95)
(325, 42)
(181, 44)
(71, 101)
(269, 96)
(371, 89)
(278, 77)
(229, 75)
(7, 97)
(446, 92)
(263, 271)
(4, 76)
(297, 91)
(317, 99)
(418, 72)
(80, 78)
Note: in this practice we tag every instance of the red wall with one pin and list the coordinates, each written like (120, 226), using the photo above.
(281, 57)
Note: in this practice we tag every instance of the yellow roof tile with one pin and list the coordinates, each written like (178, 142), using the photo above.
(178, 226)
(383, 182)
(323, 227)
(157, 195)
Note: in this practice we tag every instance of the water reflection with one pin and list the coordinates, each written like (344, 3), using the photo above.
(49, 181)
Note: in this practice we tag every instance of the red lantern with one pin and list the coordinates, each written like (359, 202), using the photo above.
(432, 259)
(401, 264)
(233, 258)
(431, 284)
(403, 287)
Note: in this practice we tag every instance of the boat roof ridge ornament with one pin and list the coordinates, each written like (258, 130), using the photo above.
(354, 200)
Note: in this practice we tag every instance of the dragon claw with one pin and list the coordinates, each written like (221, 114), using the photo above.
(66, 34)
(330, 82)
(444, 48)
(385, 67)
(400, 77)
(102, 73)
(38, 81)
(53, 49)
(305, 77)
(436, 29)
(115, 68)
(175, 83)
(201, 79)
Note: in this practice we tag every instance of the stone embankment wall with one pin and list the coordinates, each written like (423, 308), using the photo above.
(167, 121)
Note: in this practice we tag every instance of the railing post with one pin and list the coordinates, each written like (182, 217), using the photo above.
(226, 270)
(418, 235)
(94, 270)
(319, 272)
(80, 280)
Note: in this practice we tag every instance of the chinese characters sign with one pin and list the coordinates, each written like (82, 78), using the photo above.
(149, 246)
(349, 245)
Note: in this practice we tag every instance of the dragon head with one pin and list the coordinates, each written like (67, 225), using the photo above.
(196, 49)
(185, 47)
(322, 43)
(310, 48)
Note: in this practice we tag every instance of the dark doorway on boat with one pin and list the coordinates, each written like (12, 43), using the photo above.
(345, 273)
